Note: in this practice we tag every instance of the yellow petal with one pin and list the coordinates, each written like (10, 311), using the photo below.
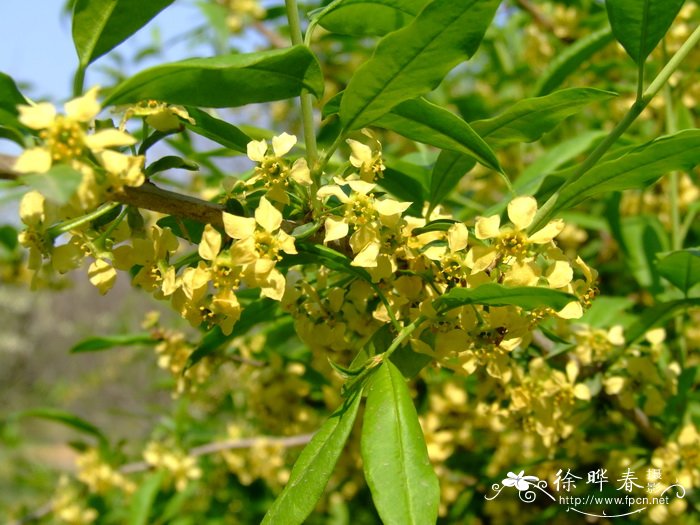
(243, 252)
(582, 392)
(238, 227)
(85, 108)
(522, 274)
(360, 186)
(34, 160)
(31, 208)
(39, 116)
(332, 190)
(616, 335)
(256, 150)
(549, 232)
(521, 211)
(573, 310)
(655, 336)
(487, 227)
(109, 138)
(267, 216)
(102, 275)
(572, 370)
(614, 385)
(435, 253)
(367, 258)
(274, 288)
(335, 229)
(457, 237)
(389, 207)
(361, 153)
(283, 143)
(210, 246)
(559, 274)
(480, 257)
(286, 242)
(262, 267)
(300, 172)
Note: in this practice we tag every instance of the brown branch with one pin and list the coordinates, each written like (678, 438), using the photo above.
(202, 450)
(650, 433)
(149, 197)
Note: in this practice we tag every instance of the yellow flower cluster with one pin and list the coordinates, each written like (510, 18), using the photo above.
(100, 476)
(181, 467)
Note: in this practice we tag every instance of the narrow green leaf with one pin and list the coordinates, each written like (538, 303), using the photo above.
(529, 119)
(606, 311)
(97, 344)
(639, 25)
(369, 17)
(447, 172)
(406, 181)
(143, 499)
(170, 162)
(58, 184)
(101, 25)
(314, 467)
(225, 81)
(657, 316)
(188, 229)
(332, 260)
(681, 268)
(425, 122)
(403, 484)
(569, 60)
(641, 238)
(635, 169)
(10, 95)
(438, 225)
(217, 130)
(492, 294)
(256, 312)
(65, 418)
(413, 60)
(8, 237)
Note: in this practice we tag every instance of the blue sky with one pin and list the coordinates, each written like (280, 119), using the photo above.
(37, 47)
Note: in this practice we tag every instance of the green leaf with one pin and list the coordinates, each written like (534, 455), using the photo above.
(656, 316)
(569, 60)
(635, 169)
(369, 17)
(256, 312)
(188, 229)
(606, 311)
(142, 501)
(413, 60)
(217, 130)
(681, 268)
(101, 25)
(170, 162)
(225, 81)
(97, 344)
(65, 418)
(492, 294)
(58, 184)
(529, 119)
(10, 96)
(314, 467)
(403, 484)
(8, 237)
(639, 25)
(641, 238)
(425, 122)
(407, 182)
(331, 259)
(438, 225)
(447, 172)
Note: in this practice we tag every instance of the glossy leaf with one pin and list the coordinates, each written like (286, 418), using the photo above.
(10, 95)
(65, 418)
(635, 169)
(217, 130)
(447, 172)
(314, 467)
(225, 81)
(101, 25)
(492, 294)
(143, 499)
(58, 184)
(401, 479)
(639, 25)
(681, 268)
(369, 17)
(569, 60)
(170, 162)
(331, 259)
(97, 344)
(657, 316)
(529, 119)
(413, 60)
(641, 238)
(425, 122)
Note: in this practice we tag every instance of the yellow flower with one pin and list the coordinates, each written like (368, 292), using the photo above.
(273, 170)
(366, 214)
(259, 243)
(64, 137)
(159, 115)
(368, 160)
